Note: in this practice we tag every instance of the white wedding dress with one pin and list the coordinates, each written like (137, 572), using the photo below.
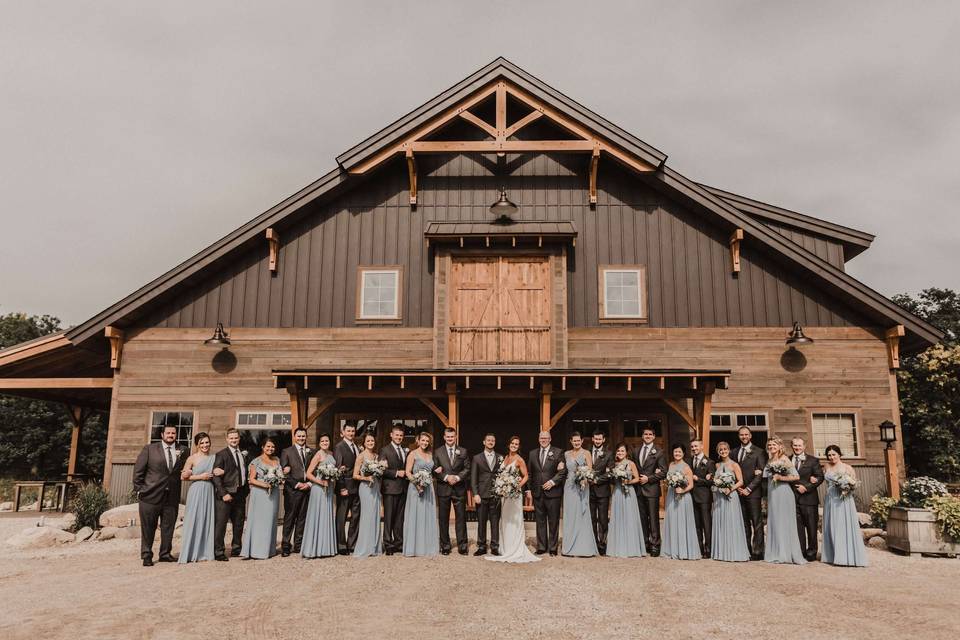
(513, 536)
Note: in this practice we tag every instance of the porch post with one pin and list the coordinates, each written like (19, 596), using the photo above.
(297, 406)
(546, 392)
(702, 406)
(453, 411)
(78, 416)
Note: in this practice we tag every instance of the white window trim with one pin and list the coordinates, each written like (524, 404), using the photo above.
(396, 271)
(857, 429)
(733, 420)
(193, 429)
(269, 426)
(638, 269)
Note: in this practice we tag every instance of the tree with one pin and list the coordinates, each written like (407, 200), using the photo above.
(35, 434)
(929, 384)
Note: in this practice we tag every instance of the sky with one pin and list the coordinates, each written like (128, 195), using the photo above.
(134, 134)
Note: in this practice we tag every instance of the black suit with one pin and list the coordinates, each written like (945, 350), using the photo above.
(654, 466)
(808, 503)
(703, 501)
(547, 502)
(295, 500)
(482, 476)
(752, 465)
(452, 495)
(232, 483)
(157, 484)
(600, 497)
(394, 492)
(344, 456)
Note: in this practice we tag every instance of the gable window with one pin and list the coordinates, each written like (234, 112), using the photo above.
(257, 419)
(378, 297)
(838, 428)
(622, 293)
(182, 420)
(733, 421)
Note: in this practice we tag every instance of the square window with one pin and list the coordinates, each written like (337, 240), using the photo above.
(379, 292)
(622, 294)
(835, 428)
(182, 420)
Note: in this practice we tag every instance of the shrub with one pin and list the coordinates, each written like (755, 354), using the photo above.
(880, 510)
(88, 504)
(947, 510)
(916, 491)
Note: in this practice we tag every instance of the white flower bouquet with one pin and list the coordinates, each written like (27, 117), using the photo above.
(781, 468)
(421, 479)
(274, 477)
(621, 473)
(330, 472)
(724, 480)
(507, 483)
(584, 475)
(373, 468)
(677, 480)
(845, 484)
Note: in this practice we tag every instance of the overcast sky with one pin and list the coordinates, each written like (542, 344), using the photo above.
(134, 134)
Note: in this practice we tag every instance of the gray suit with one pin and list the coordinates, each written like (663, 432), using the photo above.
(157, 484)
(547, 502)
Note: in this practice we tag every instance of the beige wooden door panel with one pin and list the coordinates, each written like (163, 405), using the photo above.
(474, 310)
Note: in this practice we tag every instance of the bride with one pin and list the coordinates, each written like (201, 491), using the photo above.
(513, 544)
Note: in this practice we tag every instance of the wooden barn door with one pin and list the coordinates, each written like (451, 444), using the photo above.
(499, 311)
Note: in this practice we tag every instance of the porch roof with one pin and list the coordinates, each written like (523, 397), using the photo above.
(485, 229)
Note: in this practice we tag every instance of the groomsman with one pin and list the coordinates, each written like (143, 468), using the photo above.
(600, 491)
(752, 461)
(156, 479)
(808, 498)
(547, 474)
(348, 499)
(483, 471)
(703, 470)
(296, 491)
(231, 491)
(452, 466)
(652, 466)
(394, 490)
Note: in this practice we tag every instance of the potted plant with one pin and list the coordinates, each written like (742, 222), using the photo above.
(926, 520)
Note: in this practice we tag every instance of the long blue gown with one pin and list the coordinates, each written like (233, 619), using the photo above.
(783, 540)
(842, 540)
(729, 538)
(320, 528)
(369, 534)
(198, 517)
(625, 535)
(421, 530)
(577, 529)
(679, 527)
(260, 532)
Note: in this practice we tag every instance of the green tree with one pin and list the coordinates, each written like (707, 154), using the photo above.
(35, 434)
(929, 384)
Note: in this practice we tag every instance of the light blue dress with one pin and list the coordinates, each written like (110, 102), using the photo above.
(260, 532)
(842, 540)
(679, 527)
(625, 534)
(783, 540)
(421, 531)
(728, 536)
(577, 531)
(198, 517)
(369, 534)
(320, 528)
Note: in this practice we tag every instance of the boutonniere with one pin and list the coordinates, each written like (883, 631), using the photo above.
(549, 454)
(244, 453)
(499, 459)
(179, 452)
(653, 451)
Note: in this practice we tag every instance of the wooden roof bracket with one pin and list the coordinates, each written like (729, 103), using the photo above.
(892, 337)
(273, 240)
(116, 345)
(412, 171)
(735, 238)
(594, 161)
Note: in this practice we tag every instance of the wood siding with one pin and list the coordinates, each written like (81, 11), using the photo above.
(825, 248)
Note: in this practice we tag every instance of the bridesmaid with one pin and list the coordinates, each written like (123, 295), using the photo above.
(198, 517)
(679, 527)
(842, 540)
(729, 538)
(783, 541)
(577, 528)
(260, 534)
(320, 529)
(421, 531)
(369, 538)
(625, 536)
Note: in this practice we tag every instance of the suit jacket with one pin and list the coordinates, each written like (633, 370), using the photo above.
(654, 467)
(344, 457)
(482, 475)
(809, 467)
(229, 482)
(753, 462)
(459, 466)
(391, 485)
(601, 465)
(298, 466)
(702, 492)
(152, 480)
(550, 471)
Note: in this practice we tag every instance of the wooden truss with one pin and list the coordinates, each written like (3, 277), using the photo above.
(499, 137)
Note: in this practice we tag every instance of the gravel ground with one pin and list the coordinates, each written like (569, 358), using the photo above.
(99, 590)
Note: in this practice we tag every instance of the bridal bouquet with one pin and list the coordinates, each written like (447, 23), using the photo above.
(373, 468)
(677, 480)
(585, 475)
(621, 474)
(845, 483)
(724, 480)
(330, 472)
(421, 479)
(274, 477)
(780, 467)
(507, 483)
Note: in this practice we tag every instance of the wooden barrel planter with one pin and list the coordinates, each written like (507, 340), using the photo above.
(915, 531)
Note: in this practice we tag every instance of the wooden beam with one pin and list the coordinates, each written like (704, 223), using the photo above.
(735, 238)
(682, 412)
(436, 410)
(477, 122)
(522, 122)
(892, 337)
(892, 471)
(545, 417)
(501, 109)
(452, 407)
(297, 407)
(569, 404)
(323, 404)
(273, 240)
(504, 146)
(412, 172)
(594, 161)
(78, 416)
(703, 406)
(56, 383)
(115, 336)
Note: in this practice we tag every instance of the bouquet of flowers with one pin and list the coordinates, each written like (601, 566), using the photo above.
(584, 475)
(780, 467)
(373, 468)
(507, 482)
(677, 480)
(421, 479)
(621, 473)
(845, 484)
(329, 472)
(724, 480)
(274, 477)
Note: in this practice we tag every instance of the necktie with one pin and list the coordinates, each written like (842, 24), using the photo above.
(169, 459)
(696, 461)
(353, 448)
(596, 453)
(743, 452)
(400, 454)
(643, 457)
(240, 469)
(796, 462)
(543, 457)
(450, 455)
(303, 457)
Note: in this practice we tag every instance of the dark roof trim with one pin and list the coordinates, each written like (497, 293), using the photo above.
(520, 229)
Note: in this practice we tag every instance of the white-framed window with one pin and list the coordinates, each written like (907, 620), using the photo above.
(262, 419)
(733, 420)
(839, 428)
(379, 293)
(182, 420)
(622, 293)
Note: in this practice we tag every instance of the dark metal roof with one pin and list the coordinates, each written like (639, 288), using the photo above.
(461, 229)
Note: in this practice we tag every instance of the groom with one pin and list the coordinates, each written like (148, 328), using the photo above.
(547, 473)
(484, 469)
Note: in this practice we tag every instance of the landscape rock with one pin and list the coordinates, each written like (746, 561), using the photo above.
(66, 522)
(128, 533)
(6, 506)
(877, 542)
(870, 533)
(127, 515)
(108, 533)
(83, 534)
(39, 538)
(865, 519)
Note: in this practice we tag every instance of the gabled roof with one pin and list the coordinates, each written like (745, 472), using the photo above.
(729, 209)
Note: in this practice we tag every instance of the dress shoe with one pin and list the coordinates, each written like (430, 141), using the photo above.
(654, 553)
(167, 559)
(284, 554)
(463, 552)
(553, 553)
(540, 552)
(445, 552)
(147, 562)
(389, 553)
(480, 552)
(495, 552)
(705, 555)
(221, 558)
